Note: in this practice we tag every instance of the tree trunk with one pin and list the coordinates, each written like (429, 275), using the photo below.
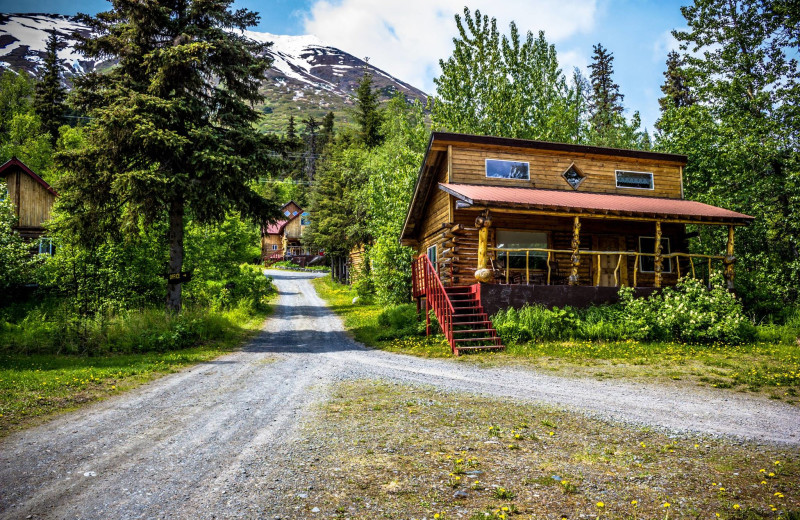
(175, 253)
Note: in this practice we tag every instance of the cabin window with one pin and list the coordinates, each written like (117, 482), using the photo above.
(647, 264)
(521, 240)
(640, 180)
(287, 213)
(573, 176)
(274, 247)
(305, 219)
(499, 169)
(46, 246)
(432, 255)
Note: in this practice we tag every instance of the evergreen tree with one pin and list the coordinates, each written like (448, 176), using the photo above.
(675, 89)
(50, 94)
(605, 102)
(310, 136)
(367, 113)
(172, 131)
(327, 130)
(291, 129)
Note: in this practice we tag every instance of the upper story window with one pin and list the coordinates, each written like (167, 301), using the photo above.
(640, 180)
(46, 246)
(499, 169)
(573, 176)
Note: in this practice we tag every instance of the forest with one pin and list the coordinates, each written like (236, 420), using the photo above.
(160, 166)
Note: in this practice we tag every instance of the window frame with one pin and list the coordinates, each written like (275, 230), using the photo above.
(668, 260)
(50, 249)
(652, 180)
(486, 169)
(435, 255)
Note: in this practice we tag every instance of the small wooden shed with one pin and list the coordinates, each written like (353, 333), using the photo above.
(32, 196)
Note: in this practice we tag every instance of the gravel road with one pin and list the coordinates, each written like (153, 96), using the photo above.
(220, 440)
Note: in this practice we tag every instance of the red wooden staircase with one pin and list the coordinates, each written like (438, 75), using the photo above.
(458, 309)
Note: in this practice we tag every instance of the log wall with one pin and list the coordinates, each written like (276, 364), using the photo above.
(469, 167)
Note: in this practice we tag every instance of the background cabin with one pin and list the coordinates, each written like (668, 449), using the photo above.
(520, 221)
(282, 240)
(32, 197)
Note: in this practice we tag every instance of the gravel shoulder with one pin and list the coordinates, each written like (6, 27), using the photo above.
(222, 439)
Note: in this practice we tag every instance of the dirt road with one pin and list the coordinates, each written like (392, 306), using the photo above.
(219, 440)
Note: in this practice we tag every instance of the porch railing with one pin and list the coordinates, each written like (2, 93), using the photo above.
(596, 261)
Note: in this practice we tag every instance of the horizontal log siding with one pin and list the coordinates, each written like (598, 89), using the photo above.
(469, 167)
(35, 201)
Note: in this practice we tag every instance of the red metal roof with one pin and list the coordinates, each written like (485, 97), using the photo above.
(277, 227)
(602, 203)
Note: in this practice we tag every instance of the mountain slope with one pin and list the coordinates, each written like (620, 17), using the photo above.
(307, 78)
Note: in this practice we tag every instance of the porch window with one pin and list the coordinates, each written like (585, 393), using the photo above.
(499, 169)
(647, 264)
(522, 240)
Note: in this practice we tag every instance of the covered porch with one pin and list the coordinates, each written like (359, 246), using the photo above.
(547, 238)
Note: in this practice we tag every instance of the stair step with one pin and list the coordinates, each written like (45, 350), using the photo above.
(470, 323)
(464, 340)
(472, 331)
(481, 347)
(473, 315)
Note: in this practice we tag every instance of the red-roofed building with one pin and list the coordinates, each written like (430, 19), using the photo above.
(518, 221)
(32, 197)
(282, 239)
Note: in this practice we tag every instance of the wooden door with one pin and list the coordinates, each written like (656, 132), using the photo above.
(608, 263)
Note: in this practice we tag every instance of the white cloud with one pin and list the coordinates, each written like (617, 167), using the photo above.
(665, 43)
(407, 38)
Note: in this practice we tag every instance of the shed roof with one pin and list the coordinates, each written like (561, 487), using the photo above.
(21, 165)
(592, 203)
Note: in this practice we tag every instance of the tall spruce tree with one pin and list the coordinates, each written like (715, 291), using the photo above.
(367, 112)
(172, 132)
(50, 93)
(605, 102)
(675, 88)
(311, 138)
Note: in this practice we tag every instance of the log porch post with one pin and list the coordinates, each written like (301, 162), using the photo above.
(659, 260)
(576, 257)
(729, 260)
(482, 273)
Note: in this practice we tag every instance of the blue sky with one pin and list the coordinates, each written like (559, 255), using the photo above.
(407, 38)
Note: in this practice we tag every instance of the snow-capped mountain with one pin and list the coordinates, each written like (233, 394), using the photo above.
(307, 78)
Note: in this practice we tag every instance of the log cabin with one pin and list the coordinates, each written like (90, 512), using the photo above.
(499, 222)
(283, 239)
(33, 200)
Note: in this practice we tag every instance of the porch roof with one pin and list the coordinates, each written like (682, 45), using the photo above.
(575, 202)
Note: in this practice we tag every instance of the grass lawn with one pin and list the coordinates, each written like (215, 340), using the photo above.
(34, 387)
(765, 367)
(396, 451)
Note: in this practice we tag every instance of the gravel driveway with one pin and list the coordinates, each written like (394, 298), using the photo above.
(219, 440)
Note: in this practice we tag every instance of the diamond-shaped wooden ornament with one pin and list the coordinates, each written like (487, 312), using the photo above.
(574, 176)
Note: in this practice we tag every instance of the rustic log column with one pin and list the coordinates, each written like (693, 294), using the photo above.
(729, 260)
(482, 273)
(658, 260)
(574, 278)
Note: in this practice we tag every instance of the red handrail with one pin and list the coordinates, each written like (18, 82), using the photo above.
(425, 282)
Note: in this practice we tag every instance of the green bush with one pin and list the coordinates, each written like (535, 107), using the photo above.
(246, 286)
(688, 312)
(401, 321)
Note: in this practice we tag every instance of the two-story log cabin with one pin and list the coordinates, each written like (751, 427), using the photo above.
(515, 221)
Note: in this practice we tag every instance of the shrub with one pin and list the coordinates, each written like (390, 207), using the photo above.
(688, 312)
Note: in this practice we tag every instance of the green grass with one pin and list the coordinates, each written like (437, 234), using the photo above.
(37, 386)
(361, 319)
(770, 365)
